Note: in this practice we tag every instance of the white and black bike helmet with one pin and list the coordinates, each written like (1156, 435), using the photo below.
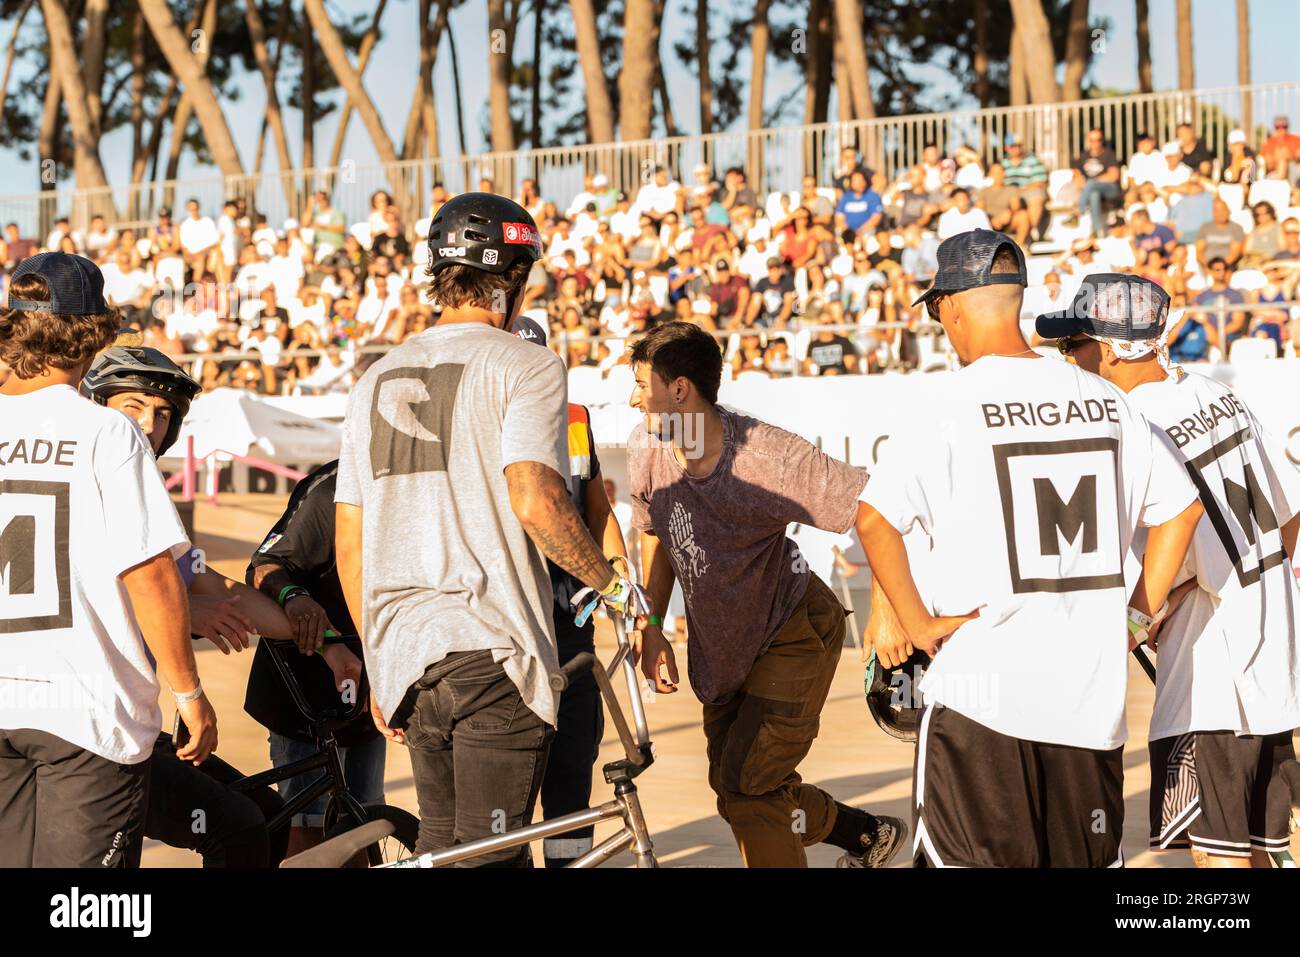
(141, 369)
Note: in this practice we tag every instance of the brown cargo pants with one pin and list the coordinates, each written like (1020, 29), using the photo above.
(757, 739)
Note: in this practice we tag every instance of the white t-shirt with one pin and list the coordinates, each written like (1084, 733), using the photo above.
(1030, 478)
(1146, 167)
(953, 222)
(433, 425)
(1228, 659)
(198, 234)
(81, 502)
(125, 288)
(1166, 178)
(656, 199)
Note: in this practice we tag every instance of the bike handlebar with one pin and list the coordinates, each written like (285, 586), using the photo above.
(573, 669)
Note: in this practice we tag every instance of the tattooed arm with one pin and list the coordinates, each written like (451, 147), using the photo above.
(540, 500)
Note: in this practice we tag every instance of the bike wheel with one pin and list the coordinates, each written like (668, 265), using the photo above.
(400, 844)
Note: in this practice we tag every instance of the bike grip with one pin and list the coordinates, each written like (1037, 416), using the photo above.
(575, 667)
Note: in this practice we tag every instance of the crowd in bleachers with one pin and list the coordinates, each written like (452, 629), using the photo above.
(816, 282)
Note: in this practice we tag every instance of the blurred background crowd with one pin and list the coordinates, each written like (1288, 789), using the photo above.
(817, 282)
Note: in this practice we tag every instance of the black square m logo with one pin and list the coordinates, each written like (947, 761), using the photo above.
(35, 580)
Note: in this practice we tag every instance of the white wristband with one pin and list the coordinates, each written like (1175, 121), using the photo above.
(189, 695)
(1138, 618)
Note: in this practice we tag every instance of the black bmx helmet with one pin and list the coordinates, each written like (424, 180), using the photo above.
(482, 230)
(892, 696)
(141, 369)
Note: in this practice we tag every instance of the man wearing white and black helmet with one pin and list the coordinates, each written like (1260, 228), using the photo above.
(1029, 478)
(451, 491)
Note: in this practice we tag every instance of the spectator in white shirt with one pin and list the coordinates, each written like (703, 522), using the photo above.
(62, 228)
(1176, 177)
(254, 274)
(229, 242)
(1146, 165)
(562, 240)
(660, 197)
(584, 197)
(98, 238)
(374, 309)
(970, 174)
(286, 271)
(962, 217)
(199, 239)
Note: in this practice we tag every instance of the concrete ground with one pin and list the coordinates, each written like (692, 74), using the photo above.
(852, 759)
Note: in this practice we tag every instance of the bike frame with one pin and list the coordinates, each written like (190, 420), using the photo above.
(626, 805)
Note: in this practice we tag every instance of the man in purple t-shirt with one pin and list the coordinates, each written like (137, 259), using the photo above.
(713, 493)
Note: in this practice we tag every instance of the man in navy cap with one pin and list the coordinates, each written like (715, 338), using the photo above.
(1022, 481)
(1228, 688)
(90, 596)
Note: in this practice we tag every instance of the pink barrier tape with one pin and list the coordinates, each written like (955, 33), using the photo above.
(187, 476)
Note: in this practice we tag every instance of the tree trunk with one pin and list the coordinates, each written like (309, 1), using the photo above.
(843, 95)
(428, 105)
(600, 112)
(1036, 45)
(257, 36)
(9, 58)
(1019, 82)
(48, 142)
(665, 105)
(1076, 51)
(185, 109)
(195, 82)
(1144, 47)
(981, 58)
(368, 42)
(1186, 63)
(848, 23)
(337, 56)
(308, 93)
(499, 66)
(759, 39)
(63, 56)
(93, 55)
(535, 136)
(137, 104)
(636, 84)
(706, 76)
(1243, 64)
(280, 37)
(455, 79)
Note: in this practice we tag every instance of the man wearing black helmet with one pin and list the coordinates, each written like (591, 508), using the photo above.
(153, 391)
(1029, 478)
(450, 493)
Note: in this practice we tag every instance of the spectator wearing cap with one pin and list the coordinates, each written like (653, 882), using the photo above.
(1281, 149)
(1198, 157)
(1241, 166)
(860, 209)
(773, 299)
(961, 216)
(1096, 175)
(1145, 165)
(705, 186)
(728, 295)
(1025, 171)
(1220, 238)
(737, 196)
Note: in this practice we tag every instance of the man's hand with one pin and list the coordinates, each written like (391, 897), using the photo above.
(309, 622)
(886, 636)
(221, 621)
(935, 631)
(392, 734)
(201, 721)
(1176, 598)
(656, 654)
(344, 664)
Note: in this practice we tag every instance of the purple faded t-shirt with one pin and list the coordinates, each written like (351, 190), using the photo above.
(725, 536)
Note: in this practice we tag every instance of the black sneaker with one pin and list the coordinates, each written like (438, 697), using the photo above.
(890, 835)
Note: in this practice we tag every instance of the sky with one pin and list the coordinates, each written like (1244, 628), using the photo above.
(390, 80)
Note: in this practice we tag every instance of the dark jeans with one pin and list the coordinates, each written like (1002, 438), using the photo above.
(566, 788)
(64, 806)
(194, 808)
(478, 754)
(1095, 194)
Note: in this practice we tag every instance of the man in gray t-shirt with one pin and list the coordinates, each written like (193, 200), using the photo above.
(451, 494)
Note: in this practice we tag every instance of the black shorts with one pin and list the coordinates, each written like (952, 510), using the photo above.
(1221, 793)
(984, 799)
(64, 806)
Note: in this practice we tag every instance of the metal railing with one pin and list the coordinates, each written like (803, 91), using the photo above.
(774, 158)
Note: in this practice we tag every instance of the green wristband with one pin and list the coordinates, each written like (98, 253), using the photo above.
(656, 621)
(285, 593)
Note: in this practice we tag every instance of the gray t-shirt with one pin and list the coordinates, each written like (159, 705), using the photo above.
(725, 536)
(447, 567)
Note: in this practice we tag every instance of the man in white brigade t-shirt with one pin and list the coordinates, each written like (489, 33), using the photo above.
(1228, 690)
(1030, 478)
(88, 588)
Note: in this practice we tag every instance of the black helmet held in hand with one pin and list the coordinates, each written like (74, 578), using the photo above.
(892, 698)
(141, 369)
(482, 230)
